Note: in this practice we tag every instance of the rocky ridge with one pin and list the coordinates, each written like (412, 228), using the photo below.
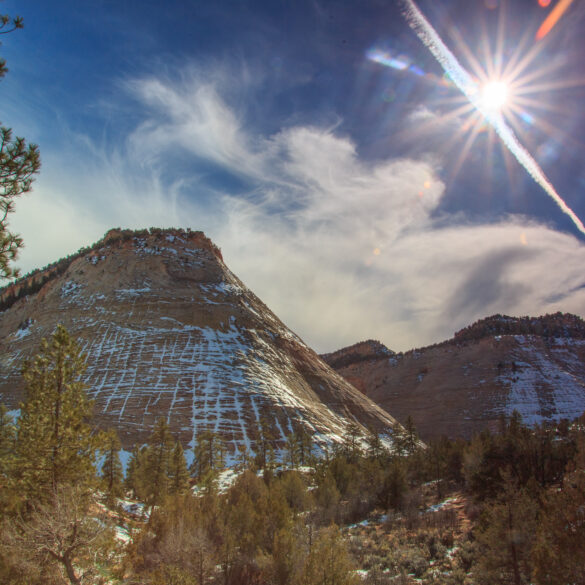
(343, 359)
(535, 365)
(169, 331)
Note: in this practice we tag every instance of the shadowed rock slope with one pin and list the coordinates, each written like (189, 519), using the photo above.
(169, 331)
(463, 385)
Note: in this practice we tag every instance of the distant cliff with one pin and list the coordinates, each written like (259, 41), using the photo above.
(535, 365)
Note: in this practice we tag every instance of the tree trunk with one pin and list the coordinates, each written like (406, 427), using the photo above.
(73, 578)
(513, 551)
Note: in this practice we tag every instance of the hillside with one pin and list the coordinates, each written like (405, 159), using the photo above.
(169, 331)
(463, 385)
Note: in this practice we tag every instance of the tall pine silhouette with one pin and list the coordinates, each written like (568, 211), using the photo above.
(55, 445)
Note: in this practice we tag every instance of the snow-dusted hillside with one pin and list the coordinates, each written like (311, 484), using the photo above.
(547, 382)
(533, 365)
(169, 331)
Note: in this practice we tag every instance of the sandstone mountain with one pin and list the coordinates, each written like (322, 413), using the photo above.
(500, 364)
(169, 331)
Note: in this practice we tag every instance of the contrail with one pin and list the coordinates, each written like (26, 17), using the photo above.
(463, 80)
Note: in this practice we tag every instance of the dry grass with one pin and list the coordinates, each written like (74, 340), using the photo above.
(415, 545)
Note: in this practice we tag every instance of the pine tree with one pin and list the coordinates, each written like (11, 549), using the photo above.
(329, 561)
(134, 481)
(209, 454)
(376, 449)
(112, 475)
(178, 472)
(399, 441)
(287, 558)
(292, 450)
(436, 457)
(8, 25)
(394, 485)
(305, 444)
(295, 491)
(55, 444)
(327, 498)
(129, 479)
(411, 439)
(351, 442)
(506, 536)
(19, 163)
(157, 463)
(7, 436)
(8, 499)
(558, 554)
(264, 443)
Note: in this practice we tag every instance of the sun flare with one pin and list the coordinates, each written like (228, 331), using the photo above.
(495, 95)
(485, 85)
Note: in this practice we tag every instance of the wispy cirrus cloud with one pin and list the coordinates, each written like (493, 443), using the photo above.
(194, 117)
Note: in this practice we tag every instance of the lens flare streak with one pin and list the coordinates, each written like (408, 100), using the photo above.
(470, 88)
(551, 20)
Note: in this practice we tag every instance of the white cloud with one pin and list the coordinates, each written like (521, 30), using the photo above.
(82, 193)
(421, 114)
(424, 284)
(342, 249)
(191, 115)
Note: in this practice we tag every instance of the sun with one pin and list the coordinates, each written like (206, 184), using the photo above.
(495, 95)
(504, 81)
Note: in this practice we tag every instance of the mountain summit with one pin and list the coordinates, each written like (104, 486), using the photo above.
(169, 331)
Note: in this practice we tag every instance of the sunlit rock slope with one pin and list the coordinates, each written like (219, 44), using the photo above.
(463, 385)
(169, 331)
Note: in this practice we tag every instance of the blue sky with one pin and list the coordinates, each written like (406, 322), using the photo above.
(347, 193)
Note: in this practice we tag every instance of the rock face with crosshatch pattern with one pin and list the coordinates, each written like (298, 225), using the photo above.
(169, 331)
(534, 365)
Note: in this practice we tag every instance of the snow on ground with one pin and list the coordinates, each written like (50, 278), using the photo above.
(362, 523)
(223, 481)
(122, 534)
(132, 508)
(534, 369)
(440, 505)
(376, 519)
(219, 380)
(70, 289)
(21, 333)
(226, 479)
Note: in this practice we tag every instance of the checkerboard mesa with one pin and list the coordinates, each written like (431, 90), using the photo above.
(168, 330)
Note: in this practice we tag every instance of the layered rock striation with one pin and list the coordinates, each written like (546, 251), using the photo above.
(461, 386)
(169, 331)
